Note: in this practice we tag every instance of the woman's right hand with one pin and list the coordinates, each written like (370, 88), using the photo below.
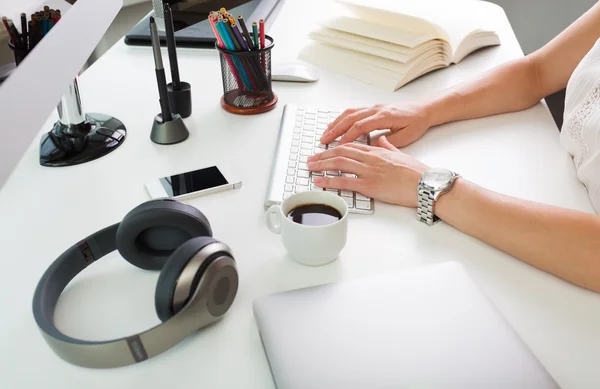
(407, 122)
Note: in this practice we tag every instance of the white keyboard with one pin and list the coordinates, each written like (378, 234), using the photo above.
(299, 134)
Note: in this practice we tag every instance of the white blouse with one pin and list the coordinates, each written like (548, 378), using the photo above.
(580, 133)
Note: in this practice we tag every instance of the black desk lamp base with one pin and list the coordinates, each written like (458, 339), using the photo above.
(67, 145)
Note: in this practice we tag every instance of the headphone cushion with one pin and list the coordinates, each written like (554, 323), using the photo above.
(167, 281)
(152, 231)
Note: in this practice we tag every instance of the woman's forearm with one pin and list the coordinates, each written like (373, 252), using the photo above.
(560, 241)
(510, 87)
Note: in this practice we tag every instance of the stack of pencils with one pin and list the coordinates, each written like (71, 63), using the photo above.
(250, 71)
(32, 31)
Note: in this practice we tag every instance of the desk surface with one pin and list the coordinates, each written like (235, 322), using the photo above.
(43, 211)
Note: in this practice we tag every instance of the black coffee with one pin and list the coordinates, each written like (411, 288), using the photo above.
(314, 214)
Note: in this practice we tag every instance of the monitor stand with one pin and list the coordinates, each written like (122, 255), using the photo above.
(77, 137)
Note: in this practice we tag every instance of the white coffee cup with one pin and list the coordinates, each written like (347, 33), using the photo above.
(310, 245)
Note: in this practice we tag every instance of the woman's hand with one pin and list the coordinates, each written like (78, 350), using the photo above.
(383, 173)
(408, 122)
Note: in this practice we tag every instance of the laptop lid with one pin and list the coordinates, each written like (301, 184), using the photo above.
(200, 34)
(424, 328)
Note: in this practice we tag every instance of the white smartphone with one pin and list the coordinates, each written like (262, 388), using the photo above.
(194, 183)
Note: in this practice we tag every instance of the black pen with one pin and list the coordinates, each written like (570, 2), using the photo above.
(160, 74)
(171, 46)
(24, 31)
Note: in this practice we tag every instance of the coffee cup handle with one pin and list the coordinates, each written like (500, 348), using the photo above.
(272, 213)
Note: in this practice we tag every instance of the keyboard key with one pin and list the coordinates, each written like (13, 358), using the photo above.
(319, 132)
(296, 142)
(294, 150)
(320, 174)
(303, 158)
(308, 153)
(310, 115)
(307, 139)
(349, 201)
(322, 121)
(301, 189)
(322, 114)
(321, 146)
(297, 130)
(289, 188)
(303, 173)
(307, 146)
(291, 172)
(349, 175)
(297, 136)
(333, 190)
(293, 157)
(346, 193)
(363, 138)
(303, 166)
(362, 197)
(292, 164)
(289, 179)
(333, 173)
(302, 181)
(364, 205)
(333, 144)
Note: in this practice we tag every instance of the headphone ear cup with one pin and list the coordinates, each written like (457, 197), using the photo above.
(152, 231)
(171, 272)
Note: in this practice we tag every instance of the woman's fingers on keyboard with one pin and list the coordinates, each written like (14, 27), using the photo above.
(337, 163)
(356, 152)
(342, 183)
(373, 122)
(348, 119)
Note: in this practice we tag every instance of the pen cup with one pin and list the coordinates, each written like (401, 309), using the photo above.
(247, 80)
(19, 53)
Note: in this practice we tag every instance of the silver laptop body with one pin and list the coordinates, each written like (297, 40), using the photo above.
(424, 328)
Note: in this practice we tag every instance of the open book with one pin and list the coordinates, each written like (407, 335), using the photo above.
(389, 43)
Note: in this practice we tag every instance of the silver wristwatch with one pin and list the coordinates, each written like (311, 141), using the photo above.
(434, 183)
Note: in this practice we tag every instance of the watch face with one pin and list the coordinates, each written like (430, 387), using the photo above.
(437, 178)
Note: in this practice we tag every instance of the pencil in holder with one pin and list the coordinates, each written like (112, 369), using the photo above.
(246, 78)
(19, 53)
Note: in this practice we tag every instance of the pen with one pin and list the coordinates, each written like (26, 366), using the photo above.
(160, 73)
(12, 37)
(24, 30)
(170, 29)
(255, 33)
(15, 33)
(242, 24)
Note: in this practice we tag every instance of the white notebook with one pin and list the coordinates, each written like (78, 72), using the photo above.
(390, 43)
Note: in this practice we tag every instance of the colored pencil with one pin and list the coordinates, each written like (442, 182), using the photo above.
(242, 24)
(261, 24)
(255, 33)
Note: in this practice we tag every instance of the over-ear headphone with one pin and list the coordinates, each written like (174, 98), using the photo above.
(197, 284)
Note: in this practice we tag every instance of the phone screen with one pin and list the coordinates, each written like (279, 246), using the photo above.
(195, 181)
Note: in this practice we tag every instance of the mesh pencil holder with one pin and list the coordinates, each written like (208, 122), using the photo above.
(247, 80)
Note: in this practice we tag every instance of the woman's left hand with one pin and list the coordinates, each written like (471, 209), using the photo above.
(383, 173)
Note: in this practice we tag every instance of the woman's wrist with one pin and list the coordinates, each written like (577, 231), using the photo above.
(439, 110)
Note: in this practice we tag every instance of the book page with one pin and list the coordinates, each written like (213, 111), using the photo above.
(457, 18)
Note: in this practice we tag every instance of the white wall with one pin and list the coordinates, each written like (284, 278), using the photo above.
(536, 22)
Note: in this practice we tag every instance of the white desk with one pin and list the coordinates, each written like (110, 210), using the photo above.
(43, 211)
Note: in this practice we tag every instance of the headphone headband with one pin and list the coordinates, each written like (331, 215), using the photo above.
(138, 347)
